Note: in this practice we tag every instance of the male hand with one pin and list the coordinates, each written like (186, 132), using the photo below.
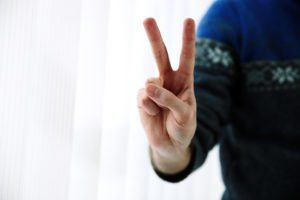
(167, 104)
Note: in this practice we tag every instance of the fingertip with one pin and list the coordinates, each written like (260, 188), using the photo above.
(156, 81)
(149, 19)
(150, 80)
(189, 23)
(149, 22)
(151, 90)
(189, 30)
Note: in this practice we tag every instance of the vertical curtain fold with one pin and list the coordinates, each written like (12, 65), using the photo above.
(38, 58)
(69, 125)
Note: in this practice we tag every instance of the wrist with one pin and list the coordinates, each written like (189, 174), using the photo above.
(171, 162)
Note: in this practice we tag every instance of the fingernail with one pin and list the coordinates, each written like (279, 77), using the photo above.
(189, 24)
(152, 91)
(149, 24)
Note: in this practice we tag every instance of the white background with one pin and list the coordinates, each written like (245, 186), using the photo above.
(69, 75)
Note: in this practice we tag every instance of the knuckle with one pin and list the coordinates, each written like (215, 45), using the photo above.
(144, 101)
(141, 97)
(148, 81)
(151, 81)
(189, 39)
(158, 144)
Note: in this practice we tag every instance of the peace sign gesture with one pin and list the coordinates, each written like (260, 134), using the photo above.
(167, 104)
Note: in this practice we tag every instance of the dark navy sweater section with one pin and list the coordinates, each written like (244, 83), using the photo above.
(252, 110)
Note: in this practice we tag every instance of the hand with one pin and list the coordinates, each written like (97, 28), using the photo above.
(167, 104)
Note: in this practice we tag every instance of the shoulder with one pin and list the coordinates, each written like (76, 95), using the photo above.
(223, 5)
(221, 23)
(218, 33)
(222, 9)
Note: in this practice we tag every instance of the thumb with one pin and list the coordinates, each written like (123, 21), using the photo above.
(166, 99)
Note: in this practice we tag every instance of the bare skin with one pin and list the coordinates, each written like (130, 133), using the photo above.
(167, 104)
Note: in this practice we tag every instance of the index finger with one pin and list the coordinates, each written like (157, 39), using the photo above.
(158, 46)
(187, 56)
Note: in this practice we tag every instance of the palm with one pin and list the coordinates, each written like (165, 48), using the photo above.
(166, 127)
(164, 124)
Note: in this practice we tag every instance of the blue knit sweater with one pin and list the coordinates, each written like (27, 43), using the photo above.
(247, 85)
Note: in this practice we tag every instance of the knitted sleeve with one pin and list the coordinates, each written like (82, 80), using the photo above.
(214, 77)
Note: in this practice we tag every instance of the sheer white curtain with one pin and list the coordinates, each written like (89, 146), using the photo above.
(125, 171)
(69, 75)
(38, 64)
